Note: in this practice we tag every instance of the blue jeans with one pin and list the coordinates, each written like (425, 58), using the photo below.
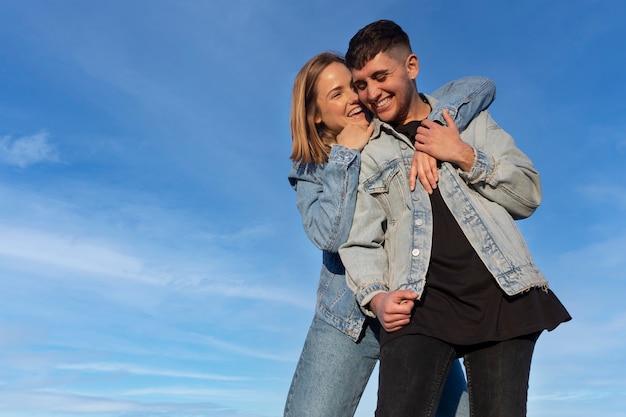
(333, 371)
(413, 367)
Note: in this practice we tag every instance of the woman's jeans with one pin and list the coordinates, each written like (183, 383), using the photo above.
(333, 371)
(413, 367)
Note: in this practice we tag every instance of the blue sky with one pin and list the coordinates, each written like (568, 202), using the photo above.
(152, 260)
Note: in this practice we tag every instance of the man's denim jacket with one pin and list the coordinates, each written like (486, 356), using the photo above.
(326, 195)
(389, 245)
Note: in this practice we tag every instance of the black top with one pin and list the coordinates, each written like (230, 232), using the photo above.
(462, 303)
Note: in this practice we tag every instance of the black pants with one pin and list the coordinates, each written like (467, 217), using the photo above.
(414, 367)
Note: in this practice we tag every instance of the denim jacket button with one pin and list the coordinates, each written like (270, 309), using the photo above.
(415, 252)
(419, 222)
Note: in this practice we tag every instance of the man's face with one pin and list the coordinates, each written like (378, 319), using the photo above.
(385, 85)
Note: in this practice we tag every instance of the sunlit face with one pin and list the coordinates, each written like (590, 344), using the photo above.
(337, 102)
(385, 85)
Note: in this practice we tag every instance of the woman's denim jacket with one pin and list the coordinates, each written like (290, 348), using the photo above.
(326, 195)
(389, 246)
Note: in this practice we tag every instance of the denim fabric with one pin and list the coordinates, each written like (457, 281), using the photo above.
(413, 367)
(333, 371)
(326, 196)
(471, 95)
(498, 375)
(390, 241)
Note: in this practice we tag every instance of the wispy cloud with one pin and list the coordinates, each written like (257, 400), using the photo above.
(25, 151)
(31, 247)
(602, 258)
(244, 350)
(614, 194)
(44, 403)
(571, 396)
(139, 370)
(61, 251)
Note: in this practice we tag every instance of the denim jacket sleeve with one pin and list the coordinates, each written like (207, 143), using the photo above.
(326, 195)
(364, 254)
(464, 99)
(501, 172)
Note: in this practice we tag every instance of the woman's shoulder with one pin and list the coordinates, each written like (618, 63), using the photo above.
(304, 171)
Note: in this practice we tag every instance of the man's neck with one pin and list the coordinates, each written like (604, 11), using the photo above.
(419, 110)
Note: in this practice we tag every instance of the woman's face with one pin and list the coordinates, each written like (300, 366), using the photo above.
(337, 102)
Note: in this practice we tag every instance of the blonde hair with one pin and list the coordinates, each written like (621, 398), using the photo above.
(311, 142)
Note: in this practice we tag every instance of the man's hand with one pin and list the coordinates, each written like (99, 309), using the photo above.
(355, 136)
(424, 167)
(444, 143)
(393, 309)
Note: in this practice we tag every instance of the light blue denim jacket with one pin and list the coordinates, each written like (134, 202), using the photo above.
(389, 246)
(326, 195)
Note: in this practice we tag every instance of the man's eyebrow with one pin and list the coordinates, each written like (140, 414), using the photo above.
(379, 72)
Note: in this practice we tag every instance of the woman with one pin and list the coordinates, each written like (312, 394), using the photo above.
(329, 127)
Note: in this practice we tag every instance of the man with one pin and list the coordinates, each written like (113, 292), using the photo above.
(445, 269)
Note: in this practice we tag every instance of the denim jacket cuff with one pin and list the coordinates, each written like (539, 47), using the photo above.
(367, 294)
(482, 169)
(437, 114)
(342, 155)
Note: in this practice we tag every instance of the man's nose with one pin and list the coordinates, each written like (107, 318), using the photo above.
(373, 91)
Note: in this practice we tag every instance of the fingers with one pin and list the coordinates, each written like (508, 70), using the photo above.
(413, 176)
(394, 321)
(449, 120)
(395, 325)
(399, 295)
(427, 180)
(434, 173)
(355, 135)
(394, 309)
(417, 171)
(424, 168)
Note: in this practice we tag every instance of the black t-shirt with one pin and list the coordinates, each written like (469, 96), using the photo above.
(462, 303)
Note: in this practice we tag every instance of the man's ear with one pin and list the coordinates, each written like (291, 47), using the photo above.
(412, 66)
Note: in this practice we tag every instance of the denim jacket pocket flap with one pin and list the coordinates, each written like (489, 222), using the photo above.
(380, 182)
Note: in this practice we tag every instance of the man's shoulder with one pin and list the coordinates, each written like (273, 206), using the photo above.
(386, 146)
(382, 142)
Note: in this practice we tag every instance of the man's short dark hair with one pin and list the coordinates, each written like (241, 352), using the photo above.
(379, 36)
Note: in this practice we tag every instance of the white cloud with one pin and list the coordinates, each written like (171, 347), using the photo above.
(139, 370)
(45, 403)
(601, 259)
(27, 150)
(62, 251)
(244, 350)
(614, 194)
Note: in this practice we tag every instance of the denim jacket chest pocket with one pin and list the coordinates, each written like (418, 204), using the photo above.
(390, 180)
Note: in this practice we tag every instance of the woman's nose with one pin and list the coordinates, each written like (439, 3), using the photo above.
(354, 97)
